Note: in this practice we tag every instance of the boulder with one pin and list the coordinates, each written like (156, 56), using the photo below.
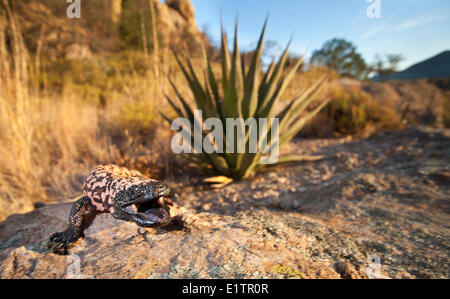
(184, 8)
(205, 246)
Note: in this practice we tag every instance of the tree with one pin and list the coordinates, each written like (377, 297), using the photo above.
(387, 67)
(341, 55)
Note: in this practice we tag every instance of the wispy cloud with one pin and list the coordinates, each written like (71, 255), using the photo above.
(373, 31)
(421, 21)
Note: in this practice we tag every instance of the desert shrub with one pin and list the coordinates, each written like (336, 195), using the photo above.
(353, 112)
(244, 93)
(96, 78)
(446, 116)
(135, 26)
(130, 62)
(444, 85)
(89, 76)
(138, 117)
(422, 102)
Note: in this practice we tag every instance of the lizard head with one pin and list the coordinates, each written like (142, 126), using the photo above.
(143, 203)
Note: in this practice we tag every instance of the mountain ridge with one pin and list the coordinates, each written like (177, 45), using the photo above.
(437, 66)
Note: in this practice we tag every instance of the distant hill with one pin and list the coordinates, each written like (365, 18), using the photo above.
(435, 67)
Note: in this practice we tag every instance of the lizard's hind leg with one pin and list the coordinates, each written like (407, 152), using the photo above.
(59, 242)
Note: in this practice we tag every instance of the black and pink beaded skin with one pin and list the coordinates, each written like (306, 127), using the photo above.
(125, 194)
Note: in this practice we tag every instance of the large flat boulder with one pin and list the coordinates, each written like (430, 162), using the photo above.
(255, 245)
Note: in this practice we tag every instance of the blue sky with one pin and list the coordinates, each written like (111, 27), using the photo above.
(417, 29)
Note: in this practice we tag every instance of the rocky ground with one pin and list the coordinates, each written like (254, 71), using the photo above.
(386, 197)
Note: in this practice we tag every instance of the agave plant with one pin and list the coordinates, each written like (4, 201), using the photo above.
(244, 92)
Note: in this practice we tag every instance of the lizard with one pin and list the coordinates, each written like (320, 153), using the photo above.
(125, 194)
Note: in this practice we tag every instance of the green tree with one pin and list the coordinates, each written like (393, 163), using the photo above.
(341, 55)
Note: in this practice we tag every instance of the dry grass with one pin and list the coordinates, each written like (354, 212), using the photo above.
(49, 140)
(16, 122)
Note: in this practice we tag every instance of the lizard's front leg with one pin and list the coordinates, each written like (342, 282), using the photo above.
(59, 242)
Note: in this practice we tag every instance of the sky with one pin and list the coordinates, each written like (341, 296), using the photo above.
(417, 29)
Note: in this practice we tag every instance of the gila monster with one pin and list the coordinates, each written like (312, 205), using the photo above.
(125, 194)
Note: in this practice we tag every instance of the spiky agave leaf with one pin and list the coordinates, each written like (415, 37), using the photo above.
(245, 93)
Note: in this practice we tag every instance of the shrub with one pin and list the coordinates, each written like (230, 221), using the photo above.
(138, 117)
(446, 116)
(353, 112)
(135, 27)
(245, 92)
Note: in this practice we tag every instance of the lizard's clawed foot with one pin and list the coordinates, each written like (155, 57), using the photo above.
(59, 242)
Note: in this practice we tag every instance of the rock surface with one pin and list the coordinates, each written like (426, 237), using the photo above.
(386, 198)
(390, 194)
(47, 29)
(184, 8)
(244, 246)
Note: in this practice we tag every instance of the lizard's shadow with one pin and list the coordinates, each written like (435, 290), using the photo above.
(88, 219)
(176, 223)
